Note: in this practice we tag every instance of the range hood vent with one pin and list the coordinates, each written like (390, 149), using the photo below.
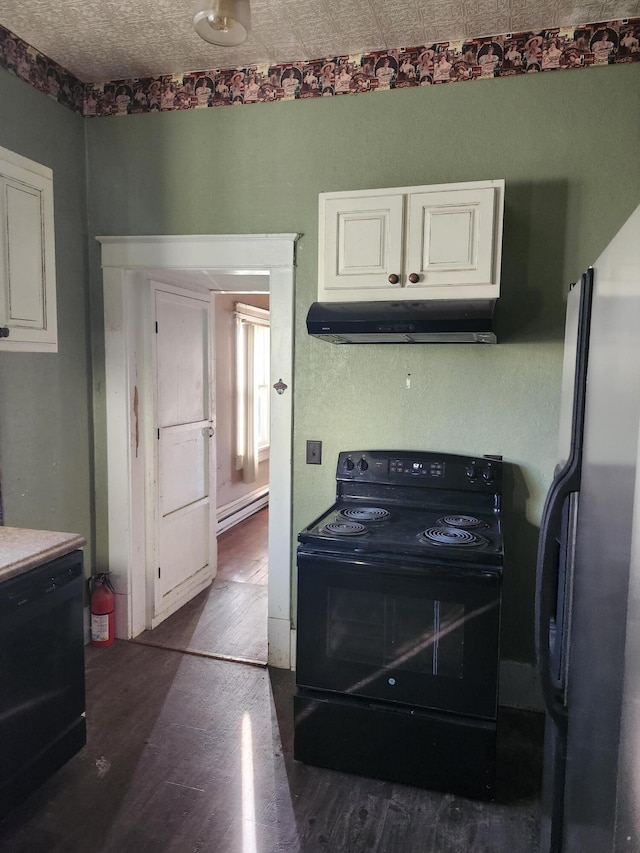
(424, 322)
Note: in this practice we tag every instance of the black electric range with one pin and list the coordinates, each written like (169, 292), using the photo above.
(398, 621)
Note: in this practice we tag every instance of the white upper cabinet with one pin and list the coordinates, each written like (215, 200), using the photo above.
(27, 256)
(433, 242)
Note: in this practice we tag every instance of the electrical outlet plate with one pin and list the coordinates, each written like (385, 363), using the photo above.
(314, 452)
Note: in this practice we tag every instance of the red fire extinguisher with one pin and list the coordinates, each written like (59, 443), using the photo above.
(102, 606)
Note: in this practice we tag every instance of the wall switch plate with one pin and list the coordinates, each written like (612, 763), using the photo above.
(314, 453)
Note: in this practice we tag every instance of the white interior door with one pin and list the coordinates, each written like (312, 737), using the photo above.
(186, 541)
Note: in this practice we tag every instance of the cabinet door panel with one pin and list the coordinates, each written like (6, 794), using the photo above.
(24, 260)
(363, 242)
(27, 255)
(450, 237)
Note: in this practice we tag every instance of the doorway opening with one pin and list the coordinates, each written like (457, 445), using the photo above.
(243, 446)
(227, 620)
(196, 263)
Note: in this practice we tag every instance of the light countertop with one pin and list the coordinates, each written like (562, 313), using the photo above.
(22, 549)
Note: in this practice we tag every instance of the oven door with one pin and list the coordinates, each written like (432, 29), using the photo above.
(380, 628)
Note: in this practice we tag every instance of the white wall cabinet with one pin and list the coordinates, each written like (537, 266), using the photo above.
(27, 256)
(432, 242)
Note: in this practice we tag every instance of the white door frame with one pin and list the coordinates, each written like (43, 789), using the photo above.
(128, 265)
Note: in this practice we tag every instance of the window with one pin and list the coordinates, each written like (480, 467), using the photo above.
(261, 380)
(252, 401)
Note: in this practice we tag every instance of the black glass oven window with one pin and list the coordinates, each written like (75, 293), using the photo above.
(396, 632)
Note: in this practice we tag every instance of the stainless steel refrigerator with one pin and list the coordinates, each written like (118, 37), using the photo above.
(588, 574)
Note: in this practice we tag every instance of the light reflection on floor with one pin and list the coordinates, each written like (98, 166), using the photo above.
(248, 796)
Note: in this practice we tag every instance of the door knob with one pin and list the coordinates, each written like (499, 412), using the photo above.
(414, 278)
(4, 331)
(393, 278)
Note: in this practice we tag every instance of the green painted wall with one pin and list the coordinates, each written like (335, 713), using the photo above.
(566, 144)
(45, 423)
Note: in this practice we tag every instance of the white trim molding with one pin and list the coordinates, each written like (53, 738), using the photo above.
(129, 264)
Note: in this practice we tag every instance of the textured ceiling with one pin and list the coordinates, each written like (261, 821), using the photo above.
(100, 40)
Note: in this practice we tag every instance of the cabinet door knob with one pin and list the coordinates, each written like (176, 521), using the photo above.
(4, 331)
(393, 278)
(414, 278)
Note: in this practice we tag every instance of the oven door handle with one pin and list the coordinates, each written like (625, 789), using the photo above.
(546, 598)
(387, 564)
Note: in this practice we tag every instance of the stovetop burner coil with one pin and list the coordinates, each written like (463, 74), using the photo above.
(464, 521)
(344, 528)
(451, 536)
(365, 513)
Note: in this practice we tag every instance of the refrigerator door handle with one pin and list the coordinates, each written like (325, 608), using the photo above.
(547, 576)
(564, 628)
(559, 527)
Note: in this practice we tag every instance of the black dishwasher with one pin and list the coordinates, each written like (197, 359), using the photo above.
(42, 705)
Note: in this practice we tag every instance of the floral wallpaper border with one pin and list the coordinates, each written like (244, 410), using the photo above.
(583, 46)
(39, 71)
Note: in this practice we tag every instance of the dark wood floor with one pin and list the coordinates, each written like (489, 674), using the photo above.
(243, 551)
(188, 754)
(229, 619)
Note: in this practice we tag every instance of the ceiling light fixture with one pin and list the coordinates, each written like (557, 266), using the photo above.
(222, 22)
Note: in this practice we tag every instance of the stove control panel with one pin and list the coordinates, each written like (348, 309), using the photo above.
(417, 468)
(414, 467)
(484, 470)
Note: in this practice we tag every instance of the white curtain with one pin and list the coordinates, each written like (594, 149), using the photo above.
(247, 317)
(250, 449)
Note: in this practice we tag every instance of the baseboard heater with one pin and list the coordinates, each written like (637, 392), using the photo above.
(233, 513)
